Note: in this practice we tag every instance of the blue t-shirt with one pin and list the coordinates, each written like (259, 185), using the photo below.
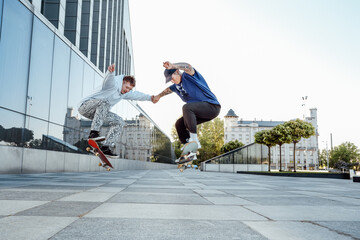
(194, 89)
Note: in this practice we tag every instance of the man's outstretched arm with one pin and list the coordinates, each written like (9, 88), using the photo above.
(156, 98)
(182, 66)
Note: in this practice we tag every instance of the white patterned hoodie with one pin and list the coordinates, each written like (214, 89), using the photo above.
(111, 91)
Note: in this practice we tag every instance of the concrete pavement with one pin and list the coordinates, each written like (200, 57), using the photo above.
(167, 204)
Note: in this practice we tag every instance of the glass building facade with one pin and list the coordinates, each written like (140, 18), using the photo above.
(44, 74)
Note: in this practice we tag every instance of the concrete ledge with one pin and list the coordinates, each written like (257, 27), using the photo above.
(19, 160)
(301, 174)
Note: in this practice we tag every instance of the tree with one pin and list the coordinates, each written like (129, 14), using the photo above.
(344, 154)
(299, 129)
(176, 143)
(265, 137)
(227, 147)
(211, 137)
(281, 136)
(323, 158)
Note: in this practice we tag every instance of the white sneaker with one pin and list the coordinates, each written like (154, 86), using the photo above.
(190, 140)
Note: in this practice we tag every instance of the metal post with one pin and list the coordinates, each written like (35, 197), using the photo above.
(327, 156)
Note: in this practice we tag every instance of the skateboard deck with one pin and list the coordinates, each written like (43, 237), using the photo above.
(95, 149)
(185, 160)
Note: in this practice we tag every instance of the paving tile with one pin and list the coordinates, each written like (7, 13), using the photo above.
(161, 198)
(210, 192)
(150, 189)
(230, 201)
(292, 201)
(169, 211)
(9, 207)
(351, 228)
(32, 228)
(309, 213)
(144, 229)
(89, 197)
(346, 200)
(59, 187)
(61, 209)
(40, 196)
(106, 189)
(294, 230)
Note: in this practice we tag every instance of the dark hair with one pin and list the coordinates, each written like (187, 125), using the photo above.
(130, 79)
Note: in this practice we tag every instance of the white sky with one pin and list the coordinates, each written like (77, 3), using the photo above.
(259, 57)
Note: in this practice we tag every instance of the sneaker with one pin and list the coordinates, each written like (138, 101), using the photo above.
(190, 140)
(190, 157)
(94, 135)
(106, 150)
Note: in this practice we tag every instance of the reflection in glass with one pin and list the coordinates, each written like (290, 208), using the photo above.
(139, 140)
(56, 140)
(88, 80)
(39, 128)
(59, 85)
(75, 83)
(12, 131)
(40, 70)
(1, 8)
(14, 52)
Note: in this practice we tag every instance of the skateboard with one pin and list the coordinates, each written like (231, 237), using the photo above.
(185, 160)
(95, 149)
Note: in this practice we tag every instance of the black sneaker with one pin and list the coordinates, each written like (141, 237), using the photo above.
(94, 135)
(106, 150)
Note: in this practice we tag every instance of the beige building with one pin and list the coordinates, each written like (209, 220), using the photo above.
(136, 141)
(306, 153)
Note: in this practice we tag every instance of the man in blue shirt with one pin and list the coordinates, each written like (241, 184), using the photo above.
(201, 104)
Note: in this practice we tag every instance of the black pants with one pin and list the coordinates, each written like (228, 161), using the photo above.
(193, 114)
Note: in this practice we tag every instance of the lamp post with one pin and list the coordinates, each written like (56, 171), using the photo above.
(327, 156)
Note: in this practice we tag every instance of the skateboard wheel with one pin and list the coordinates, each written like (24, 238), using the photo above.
(88, 149)
(181, 170)
(108, 169)
(97, 154)
(100, 164)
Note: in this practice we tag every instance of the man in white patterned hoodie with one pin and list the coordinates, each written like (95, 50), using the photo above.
(97, 106)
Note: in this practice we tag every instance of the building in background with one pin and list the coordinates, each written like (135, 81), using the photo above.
(52, 54)
(306, 150)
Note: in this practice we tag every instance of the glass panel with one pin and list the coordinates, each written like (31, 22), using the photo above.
(1, 8)
(70, 23)
(40, 70)
(39, 128)
(60, 81)
(264, 153)
(59, 139)
(88, 80)
(14, 55)
(75, 84)
(12, 131)
(98, 80)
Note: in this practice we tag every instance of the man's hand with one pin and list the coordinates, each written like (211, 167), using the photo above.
(167, 65)
(182, 66)
(111, 68)
(155, 99)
